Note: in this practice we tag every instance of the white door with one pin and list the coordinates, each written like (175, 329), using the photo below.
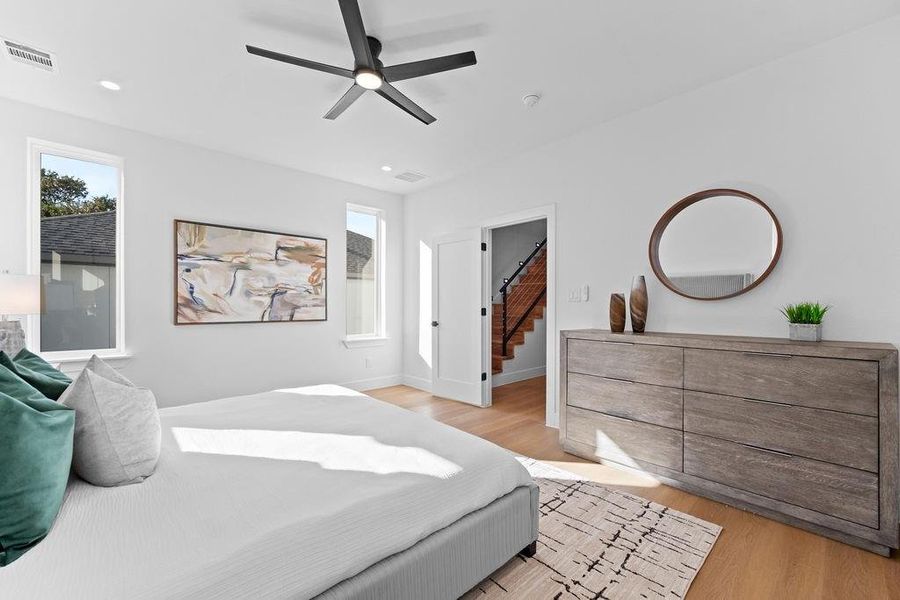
(456, 317)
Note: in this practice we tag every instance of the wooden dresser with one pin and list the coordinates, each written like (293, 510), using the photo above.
(805, 433)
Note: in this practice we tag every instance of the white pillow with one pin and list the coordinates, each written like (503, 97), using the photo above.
(117, 431)
(106, 372)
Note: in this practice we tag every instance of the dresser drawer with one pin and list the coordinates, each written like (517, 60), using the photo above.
(833, 383)
(839, 491)
(640, 402)
(658, 365)
(625, 441)
(840, 438)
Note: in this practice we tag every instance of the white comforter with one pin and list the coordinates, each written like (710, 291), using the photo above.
(275, 495)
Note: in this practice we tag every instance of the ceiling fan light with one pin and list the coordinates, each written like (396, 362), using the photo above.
(371, 80)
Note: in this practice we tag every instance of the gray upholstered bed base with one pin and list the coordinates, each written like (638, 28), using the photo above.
(450, 562)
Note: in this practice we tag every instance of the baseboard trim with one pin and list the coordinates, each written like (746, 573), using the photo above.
(362, 385)
(420, 383)
(505, 378)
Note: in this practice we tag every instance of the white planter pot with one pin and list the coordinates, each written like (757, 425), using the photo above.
(803, 332)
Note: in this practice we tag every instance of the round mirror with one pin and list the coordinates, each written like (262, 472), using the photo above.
(715, 244)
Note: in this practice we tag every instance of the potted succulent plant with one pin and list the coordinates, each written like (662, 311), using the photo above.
(805, 320)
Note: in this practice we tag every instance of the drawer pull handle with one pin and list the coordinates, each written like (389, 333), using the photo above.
(618, 343)
(769, 354)
(768, 402)
(618, 380)
(617, 417)
(785, 454)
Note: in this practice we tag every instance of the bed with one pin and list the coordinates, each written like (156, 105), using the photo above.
(316, 492)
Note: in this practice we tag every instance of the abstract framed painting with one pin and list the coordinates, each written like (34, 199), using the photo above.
(229, 274)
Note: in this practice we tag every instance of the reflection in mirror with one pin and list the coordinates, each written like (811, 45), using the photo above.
(715, 244)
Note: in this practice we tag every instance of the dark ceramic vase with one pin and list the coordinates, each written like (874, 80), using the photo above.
(638, 304)
(617, 313)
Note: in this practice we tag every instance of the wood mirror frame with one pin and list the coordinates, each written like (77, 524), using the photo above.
(656, 238)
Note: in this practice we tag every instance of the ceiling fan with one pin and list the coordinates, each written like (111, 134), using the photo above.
(369, 72)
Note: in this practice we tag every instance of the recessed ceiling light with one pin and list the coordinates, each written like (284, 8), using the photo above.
(110, 85)
(386, 168)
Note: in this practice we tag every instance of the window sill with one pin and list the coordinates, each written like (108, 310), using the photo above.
(365, 341)
(72, 364)
(85, 357)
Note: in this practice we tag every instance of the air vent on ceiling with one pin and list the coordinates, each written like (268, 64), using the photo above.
(411, 176)
(30, 56)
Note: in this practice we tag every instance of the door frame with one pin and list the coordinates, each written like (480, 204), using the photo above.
(547, 212)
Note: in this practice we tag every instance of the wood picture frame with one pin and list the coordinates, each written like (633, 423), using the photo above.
(678, 207)
(224, 274)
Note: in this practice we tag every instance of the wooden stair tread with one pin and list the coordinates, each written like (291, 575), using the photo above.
(519, 297)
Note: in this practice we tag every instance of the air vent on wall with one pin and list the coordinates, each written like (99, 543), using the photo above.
(411, 176)
(30, 56)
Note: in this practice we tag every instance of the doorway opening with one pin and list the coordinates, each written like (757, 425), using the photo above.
(518, 285)
(462, 323)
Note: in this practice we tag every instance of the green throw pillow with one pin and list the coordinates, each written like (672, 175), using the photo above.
(34, 362)
(36, 438)
(13, 385)
(37, 372)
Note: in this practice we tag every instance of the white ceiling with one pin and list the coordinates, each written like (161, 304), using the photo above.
(185, 74)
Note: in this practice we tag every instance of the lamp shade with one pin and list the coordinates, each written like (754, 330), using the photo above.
(20, 294)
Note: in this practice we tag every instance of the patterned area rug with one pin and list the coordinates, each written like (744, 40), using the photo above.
(601, 544)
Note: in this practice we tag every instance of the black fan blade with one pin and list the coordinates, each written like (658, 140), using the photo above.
(346, 100)
(300, 62)
(357, 33)
(393, 95)
(428, 67)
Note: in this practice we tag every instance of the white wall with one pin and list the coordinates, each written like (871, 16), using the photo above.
(815, 135)
(165, 180)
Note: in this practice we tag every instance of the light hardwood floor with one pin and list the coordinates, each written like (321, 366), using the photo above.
(754, 558)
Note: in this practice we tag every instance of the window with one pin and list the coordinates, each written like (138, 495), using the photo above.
(76, 246)
(365, 273)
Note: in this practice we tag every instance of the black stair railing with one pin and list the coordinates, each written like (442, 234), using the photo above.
(504, 292)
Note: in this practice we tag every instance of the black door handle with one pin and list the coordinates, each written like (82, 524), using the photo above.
(434, 323)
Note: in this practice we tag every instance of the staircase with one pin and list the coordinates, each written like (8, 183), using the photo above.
(524, 298)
